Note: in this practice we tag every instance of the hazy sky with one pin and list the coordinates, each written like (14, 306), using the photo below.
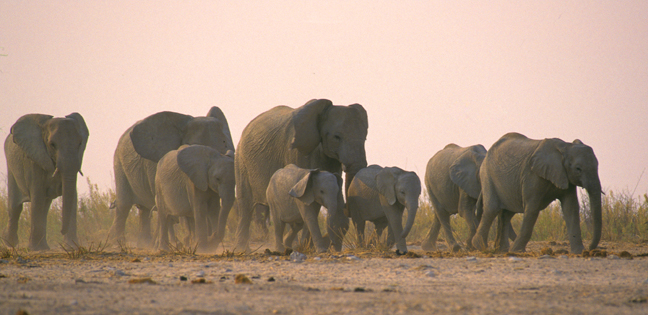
(428, 72)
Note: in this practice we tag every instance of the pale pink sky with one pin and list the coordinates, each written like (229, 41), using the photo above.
(428, 72)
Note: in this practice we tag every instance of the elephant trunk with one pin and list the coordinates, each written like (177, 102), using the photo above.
(69, 208)
(412, 208)
(351, 170)
(595, 206)
(227, 203)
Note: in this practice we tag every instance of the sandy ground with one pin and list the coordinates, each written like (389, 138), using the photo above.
(141, 282)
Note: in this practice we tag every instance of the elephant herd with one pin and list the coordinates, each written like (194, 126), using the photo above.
(288, 163)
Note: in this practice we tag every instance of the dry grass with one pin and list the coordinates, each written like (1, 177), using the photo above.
(625, 219)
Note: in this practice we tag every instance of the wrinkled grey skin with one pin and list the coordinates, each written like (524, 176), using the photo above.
(452, 182)
(195, 182)
(381, 195)
(44, 155)
(295, 196)
(523, 175)
(316, 135)
(141, 147)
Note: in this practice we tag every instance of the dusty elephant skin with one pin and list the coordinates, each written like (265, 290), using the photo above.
(452, 182)
(316, 135)
(522, 175)
(149, 283)
(295, 196)
(44, 155)
(381, 195)
(195, 182)
(142, 146)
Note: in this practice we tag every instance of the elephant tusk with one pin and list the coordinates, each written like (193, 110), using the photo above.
(56, 171)
(80, 172)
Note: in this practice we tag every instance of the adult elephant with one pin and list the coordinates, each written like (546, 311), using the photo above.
(142, 146)
(523, 175)
(452, 181)
(316, 135)
(44, 155)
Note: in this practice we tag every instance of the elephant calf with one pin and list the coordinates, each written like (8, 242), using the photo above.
(380, 195)
(196, 182)
(295, 196)
(452, 181)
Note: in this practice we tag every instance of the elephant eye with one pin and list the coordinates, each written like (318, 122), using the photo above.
(338, 138)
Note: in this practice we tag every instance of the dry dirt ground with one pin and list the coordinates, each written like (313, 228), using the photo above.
(144, 282)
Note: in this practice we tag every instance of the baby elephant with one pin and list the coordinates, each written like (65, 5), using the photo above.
(381, 195)
(196, 182)
(295, 196)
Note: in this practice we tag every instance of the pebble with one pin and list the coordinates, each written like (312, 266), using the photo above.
(200, 274)
(4, 261)
(211, 264)
(515, 259)
(228, 270)
(471, 258)
(546, 257)
(317, 258)
(74, 302)
(557, 272)
(563, 257)
(118, 273)
(147, 258)
(353, 257)
(430, 274)
(613, 257)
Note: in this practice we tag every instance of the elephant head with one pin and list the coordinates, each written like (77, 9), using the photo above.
(160, 133)
(209, 170)
(571, 164)
(57, 146)
(340, 130)
(464, 171)
(397, 185)
(324, 188)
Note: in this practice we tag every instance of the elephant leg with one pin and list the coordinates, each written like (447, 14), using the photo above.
(38, 237)
(480, 240)
(190, 226)
(501, 237)
(528, 222)
(444, 218)
(511, 232)
(395, 219)
(165, 227)
(279, 227)
(310, 213)
(245, 208)
(429, 243)
(14, 209)
(379, 227)
(305, 238)
(294, 229)
(467, 211)
(144, 238)
(570, 207)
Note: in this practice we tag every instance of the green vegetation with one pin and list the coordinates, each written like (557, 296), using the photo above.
(625, 218)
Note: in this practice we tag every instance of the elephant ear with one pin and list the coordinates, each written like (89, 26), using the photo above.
(305, 120)
(385, 181)
(218, 114)
(194, 161)
(363, 114)
(547, 162)
(158, 134)
(464, 171)
(303, 189)
(27, 133)
(83, 131)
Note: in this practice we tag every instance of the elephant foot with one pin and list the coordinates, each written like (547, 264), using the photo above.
(516, 249)
(39, 247)
(479, 243)
(456, 248)
(429, 246)
(399, 253)
(579, 249)
(10, 239)
(144, 241)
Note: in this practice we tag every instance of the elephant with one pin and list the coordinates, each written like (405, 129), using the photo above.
(452, 182)
(295, 196)
(138, 152)
(196, 182)
(44, 155)
(522, 175)
(316, 135)
(381, 195)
